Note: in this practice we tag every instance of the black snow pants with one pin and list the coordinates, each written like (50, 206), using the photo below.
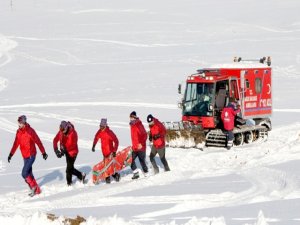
(162, 155)
(141, 155)
(71, 169)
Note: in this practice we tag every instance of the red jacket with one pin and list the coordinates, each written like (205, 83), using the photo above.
(109, 141)
(26, 138)
(138, 135)
(158, 129)
(228, 116)
(67, 141)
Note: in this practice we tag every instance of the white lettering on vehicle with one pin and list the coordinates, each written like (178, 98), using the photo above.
(251, 99)
(251, 105)
(265, 102)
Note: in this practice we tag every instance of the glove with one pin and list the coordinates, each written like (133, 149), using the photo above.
(58, 153)
(155, 137)
(45, 156)
(9, 157)
(93, 148)
(114, 154)
(63, 151)
(150, 137)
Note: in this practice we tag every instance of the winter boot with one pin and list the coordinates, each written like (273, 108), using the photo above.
(146, 174)
(229, 144)
(107, 180)
(37, 190)
(32, 192)
(117, 177)
(154, 165)
(167, 168)
(83, 175)
(34, 188)
(135, 176)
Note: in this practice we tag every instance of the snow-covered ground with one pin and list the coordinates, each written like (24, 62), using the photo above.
(83, 60)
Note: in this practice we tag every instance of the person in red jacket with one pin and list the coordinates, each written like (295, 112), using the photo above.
(138, 139)
(157, 136)
(26, 139)
(67, 138)
(109, 145)
(228, 117)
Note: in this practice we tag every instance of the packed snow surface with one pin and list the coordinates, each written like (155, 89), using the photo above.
(85, 60)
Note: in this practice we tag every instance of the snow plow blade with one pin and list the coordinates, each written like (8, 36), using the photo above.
(188, 135)
(184, 135)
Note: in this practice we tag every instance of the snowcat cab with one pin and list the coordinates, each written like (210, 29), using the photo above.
(208, 92)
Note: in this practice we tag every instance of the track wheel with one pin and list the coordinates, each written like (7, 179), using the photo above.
(238, 139)
(249, 137)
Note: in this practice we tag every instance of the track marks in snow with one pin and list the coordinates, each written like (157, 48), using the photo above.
(5, 59)
(268, 29)
(40, 59)
(3, 83)
(270, 184)
(87, 11)
(6, 45)
(104, 41)
(79, 104)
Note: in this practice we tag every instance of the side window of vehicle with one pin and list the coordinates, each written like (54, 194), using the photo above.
(258, 85)
(191, 92)
(188, 93)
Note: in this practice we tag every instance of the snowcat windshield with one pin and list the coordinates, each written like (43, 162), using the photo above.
(198, 97)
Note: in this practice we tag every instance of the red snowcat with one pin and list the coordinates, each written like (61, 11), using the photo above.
(208, 91)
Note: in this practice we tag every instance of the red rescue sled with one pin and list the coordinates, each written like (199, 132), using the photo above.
(111, 165)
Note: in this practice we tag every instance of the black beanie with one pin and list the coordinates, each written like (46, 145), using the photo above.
(133, 114)
(149, 118)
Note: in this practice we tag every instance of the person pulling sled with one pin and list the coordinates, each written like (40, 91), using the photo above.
(109, 147)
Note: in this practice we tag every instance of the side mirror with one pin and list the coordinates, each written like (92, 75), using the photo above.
(179, 88)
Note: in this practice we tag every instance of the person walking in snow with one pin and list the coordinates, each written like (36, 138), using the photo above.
(26, 139)
(109, 146)
(228, 117)
(157, 137)
(138, 140)
(67, 138)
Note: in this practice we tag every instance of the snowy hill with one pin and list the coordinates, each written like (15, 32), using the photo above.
(84, 60)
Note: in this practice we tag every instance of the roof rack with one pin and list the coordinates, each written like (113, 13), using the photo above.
(261, 60)
(200, 71)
